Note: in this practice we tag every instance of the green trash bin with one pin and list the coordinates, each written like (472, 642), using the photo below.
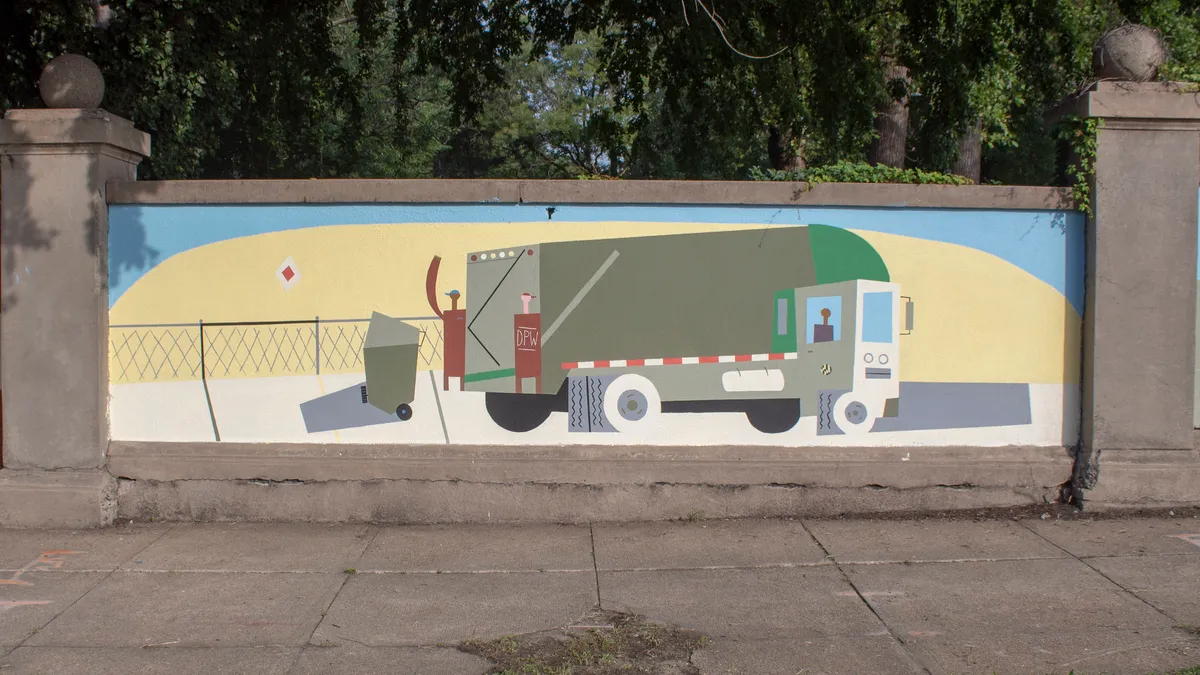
(390, 356)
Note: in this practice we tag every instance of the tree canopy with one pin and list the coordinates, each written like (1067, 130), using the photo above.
(580, 88)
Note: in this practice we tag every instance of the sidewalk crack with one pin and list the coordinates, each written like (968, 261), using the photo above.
(912, 661)
(345, 579)
(116, 568)
(595, 566)
(1097, 571)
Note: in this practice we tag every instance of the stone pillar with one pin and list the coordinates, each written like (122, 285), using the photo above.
(1137, 444)
(54, 164)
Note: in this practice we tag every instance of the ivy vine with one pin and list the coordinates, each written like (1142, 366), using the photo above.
(859, 172)
(1080, 134)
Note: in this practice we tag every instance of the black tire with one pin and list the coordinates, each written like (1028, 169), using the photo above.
(774, 416)
(519, 412)
(404, 412)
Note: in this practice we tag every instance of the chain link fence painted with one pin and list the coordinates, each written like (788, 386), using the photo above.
(171, 352)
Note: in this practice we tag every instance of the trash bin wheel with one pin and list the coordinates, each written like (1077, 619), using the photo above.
(404, 412)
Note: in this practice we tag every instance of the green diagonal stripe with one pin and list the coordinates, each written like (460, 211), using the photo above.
(490, 375)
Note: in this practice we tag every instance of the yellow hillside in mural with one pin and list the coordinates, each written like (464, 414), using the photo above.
(978, 317)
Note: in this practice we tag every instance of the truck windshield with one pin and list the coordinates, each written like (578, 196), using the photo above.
(877, 325)
(824, 319)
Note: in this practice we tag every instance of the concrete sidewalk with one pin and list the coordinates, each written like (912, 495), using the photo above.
(1036, 596)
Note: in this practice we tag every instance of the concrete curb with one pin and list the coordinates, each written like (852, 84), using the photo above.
(57, 499)
(420, 502)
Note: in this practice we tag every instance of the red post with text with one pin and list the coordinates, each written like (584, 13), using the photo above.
(527, 339)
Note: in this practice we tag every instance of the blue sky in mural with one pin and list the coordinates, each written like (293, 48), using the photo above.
(1047, 244)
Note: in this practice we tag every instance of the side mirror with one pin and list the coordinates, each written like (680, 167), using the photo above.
(909, 314)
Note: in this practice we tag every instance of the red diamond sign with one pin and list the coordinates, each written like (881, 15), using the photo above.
(288, 274)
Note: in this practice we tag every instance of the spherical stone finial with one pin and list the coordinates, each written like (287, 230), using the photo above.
(71, 81)
(1130, 52)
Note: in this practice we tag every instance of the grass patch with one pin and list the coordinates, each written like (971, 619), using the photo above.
(603, 643)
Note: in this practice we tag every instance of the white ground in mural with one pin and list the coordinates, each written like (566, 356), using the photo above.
(268, 409)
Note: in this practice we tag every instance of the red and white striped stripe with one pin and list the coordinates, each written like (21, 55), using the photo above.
(679, 361)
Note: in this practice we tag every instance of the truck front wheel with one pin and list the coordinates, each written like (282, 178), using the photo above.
(774, 416)
(519, 412)
(854, 415)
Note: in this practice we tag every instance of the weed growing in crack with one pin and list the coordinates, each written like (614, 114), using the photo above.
(602, 643)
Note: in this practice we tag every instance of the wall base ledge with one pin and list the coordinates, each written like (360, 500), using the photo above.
(1146, 478)
(825, 467)
(427, 502)
(57, 499)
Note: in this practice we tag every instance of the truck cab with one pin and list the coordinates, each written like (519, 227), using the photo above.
(847, 339)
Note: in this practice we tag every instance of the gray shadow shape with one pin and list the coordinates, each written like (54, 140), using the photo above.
(343, 409)
(958, 405)
(955, 405)
(127, 248)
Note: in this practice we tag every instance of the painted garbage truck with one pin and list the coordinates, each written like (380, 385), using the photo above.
(774, 323)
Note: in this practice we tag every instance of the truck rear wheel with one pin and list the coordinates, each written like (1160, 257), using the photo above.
(519, 412)
(631, 403)
(774, 416)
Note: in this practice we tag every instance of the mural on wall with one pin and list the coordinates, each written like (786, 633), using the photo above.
(602, 325)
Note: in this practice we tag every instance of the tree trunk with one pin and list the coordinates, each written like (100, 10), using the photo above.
(891, 124)
(970, 148)
(785, 151)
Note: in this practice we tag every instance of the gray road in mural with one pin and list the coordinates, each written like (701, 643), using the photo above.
(958, 405)
(923, 406)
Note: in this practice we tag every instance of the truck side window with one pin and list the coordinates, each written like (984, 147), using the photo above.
(824, 319)
(781, 316)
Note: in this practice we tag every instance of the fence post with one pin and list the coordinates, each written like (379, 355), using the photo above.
(1139, 322)
(317, 339)
(55, 165)
(212, 415)
(203, 371)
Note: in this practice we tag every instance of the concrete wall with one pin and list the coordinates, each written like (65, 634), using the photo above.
(988, 377)
(1196, 369)
(992, 361)
(240, 337)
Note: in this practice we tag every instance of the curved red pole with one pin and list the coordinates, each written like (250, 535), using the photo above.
(431, 285)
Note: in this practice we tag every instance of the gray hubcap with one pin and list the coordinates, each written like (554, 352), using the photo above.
(856, 413)
(632, 405)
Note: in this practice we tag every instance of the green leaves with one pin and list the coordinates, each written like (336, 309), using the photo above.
(853, 172)
(1080, 135)
(579, 88)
